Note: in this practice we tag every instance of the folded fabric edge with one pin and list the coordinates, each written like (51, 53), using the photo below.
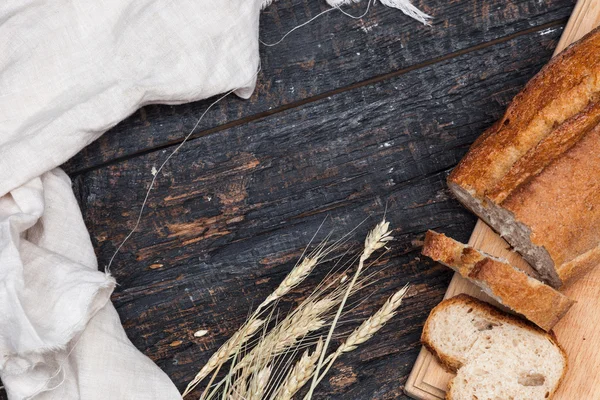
(14, 364)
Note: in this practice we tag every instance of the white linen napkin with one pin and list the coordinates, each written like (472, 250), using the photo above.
(70, 70)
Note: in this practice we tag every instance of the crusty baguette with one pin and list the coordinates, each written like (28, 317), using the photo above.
(562, 89)
(534, 177)
(506, 284)
(495, 355)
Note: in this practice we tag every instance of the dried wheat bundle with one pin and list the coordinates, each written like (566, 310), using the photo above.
(289, 352)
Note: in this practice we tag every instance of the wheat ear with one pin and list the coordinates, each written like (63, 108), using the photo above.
(306, 319)
(375, 240)
(300, 374)
(294, 278)
(225, 352)
(367, 329)
(298, 273)
(259, 383)
(239, 389)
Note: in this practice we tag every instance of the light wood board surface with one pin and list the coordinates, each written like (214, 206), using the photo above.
(578, 332)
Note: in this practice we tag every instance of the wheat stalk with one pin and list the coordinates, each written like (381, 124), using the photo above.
(375, 240)
(239, 389)
(367, 329)
(307, 318)
(225, 352)
(259, 383)
(300, 374)
(293, 279)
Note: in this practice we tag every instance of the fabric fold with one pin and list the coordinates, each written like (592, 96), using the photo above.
(69, 71)
(72, 69)
(61, 337)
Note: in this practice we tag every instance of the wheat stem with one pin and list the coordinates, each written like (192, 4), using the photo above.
(366, 330)
(376, 239)
(212, 379)
(238, 389)
(307, 318)
(300, 374)
(225, 352)
(259, 383)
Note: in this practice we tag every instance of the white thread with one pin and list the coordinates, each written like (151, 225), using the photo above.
(296, 27)
(408, 9)
(315, 17)
(155, 175)
(405, 6)
(45, 389)
(58, 371)
(352, 16)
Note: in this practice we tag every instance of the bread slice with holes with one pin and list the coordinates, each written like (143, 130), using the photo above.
(509, 286)
(495, 355)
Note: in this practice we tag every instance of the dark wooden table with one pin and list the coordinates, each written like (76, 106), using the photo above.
(348, 116)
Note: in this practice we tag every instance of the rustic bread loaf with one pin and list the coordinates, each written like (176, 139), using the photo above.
(506, 284)
(495, 355)
(534, 176)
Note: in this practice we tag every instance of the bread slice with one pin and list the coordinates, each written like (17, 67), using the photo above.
(506, 284)
(495, 355)
(534, 176)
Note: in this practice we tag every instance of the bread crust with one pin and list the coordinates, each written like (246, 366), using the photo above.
(536, 163)
(494, 312)
(534, 300)
(561, 205)
(562, 85)
(544, 153)
(449, 363)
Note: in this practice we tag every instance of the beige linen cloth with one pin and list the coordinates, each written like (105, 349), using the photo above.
(69, 71)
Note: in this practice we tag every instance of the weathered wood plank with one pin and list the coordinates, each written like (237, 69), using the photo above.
(234, 209)
(332, 53)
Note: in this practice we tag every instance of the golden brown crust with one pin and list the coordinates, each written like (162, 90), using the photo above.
(564, 354)
(536, 301)
(548, 150)
(580, 265)
(560, 90)
(494, 312)
(541, 162)
(561, 207)
(449, 363)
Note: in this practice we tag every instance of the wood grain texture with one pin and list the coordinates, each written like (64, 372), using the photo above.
(585, 17)
(232, 213)
(328, 132)
(334, 52)
(577, 332)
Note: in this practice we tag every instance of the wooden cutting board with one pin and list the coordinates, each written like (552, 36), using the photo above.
(578, 332)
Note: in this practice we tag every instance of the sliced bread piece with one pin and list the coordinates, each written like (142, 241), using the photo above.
(534, 176)
(495, 355)
(539, 303)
